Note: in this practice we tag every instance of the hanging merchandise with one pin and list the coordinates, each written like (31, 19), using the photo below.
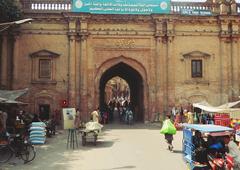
(195, 119)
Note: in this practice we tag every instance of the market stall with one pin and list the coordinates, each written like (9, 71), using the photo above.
(222, 114)
(10, 105)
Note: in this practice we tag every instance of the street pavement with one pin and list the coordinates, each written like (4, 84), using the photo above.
(119, 147)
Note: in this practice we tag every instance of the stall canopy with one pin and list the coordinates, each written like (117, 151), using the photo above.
(229, 105)
(225, 108)
(10, 96)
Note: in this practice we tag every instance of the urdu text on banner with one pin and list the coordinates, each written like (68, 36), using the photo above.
(144, 7)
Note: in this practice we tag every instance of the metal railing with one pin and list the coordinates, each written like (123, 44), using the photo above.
(176, 7)
(62, 7)
(65, 5)
(46, 5)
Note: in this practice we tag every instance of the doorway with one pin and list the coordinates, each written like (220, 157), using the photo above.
(134, 82)
(44, 111)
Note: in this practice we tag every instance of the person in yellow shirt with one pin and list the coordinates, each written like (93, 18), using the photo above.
(190, 118)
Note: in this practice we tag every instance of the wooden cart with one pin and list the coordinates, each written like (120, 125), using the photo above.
(89, 135)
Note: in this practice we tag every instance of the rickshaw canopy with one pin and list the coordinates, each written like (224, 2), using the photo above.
(208, 128)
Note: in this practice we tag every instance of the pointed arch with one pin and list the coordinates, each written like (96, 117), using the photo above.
(133, 72)
(121, 59)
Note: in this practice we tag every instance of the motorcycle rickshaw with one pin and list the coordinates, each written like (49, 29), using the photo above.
(208, 133)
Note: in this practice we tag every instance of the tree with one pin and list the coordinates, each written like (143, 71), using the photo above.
(9, 11)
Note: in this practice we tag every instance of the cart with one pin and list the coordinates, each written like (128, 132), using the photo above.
(91, 132)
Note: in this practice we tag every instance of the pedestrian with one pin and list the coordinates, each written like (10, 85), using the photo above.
(95, 115)
(177, 121)
(77, 120)
(190, 117)
(3, 133)
(5, 117)
(1, 121)
(168, 130)
(57, 116)
(36, 118)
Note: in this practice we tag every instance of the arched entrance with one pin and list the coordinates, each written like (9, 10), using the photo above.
(134, 81)
(134, 73)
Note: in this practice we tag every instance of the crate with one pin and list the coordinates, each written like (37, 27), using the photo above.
(221, 115)
(222, 122)
(222, 119)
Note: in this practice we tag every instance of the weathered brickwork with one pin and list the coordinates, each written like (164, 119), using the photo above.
(157, 50)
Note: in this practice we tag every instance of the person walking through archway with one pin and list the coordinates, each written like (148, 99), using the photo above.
(168, 130)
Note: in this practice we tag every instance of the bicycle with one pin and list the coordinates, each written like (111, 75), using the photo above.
(18, 146)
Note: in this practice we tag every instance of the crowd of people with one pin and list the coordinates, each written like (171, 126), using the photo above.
(119, 109)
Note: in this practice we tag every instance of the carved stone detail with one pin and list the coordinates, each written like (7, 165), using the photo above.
(125, 43)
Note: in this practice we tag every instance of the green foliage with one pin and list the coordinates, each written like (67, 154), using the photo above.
(9, 11)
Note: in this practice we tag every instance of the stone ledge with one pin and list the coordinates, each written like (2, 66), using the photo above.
(44, 82)
(197, 81)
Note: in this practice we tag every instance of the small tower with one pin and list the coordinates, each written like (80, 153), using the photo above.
(228, 7)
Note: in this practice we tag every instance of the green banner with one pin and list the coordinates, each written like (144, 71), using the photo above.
(122, 6)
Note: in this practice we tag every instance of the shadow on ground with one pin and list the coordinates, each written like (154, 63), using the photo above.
(55, 154)
(150, 126)
(178, 151)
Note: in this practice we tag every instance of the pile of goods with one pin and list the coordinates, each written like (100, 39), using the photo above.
(38, 133)
(235, 124)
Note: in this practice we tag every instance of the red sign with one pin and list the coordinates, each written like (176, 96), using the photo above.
(64, 103)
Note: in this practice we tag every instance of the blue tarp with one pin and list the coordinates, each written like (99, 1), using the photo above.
(207, 128)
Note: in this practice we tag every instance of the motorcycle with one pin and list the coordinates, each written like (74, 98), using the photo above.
(223, 162)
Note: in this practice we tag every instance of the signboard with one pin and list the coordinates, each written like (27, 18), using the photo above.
(69, 115)
(122, 6)
(195, 12)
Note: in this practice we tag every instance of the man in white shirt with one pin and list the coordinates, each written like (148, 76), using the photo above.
(95, 115)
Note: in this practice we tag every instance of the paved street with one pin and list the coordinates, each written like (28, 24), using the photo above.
(121, 147)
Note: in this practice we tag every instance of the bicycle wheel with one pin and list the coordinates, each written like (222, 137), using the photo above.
(28, 153)
(5, 154)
